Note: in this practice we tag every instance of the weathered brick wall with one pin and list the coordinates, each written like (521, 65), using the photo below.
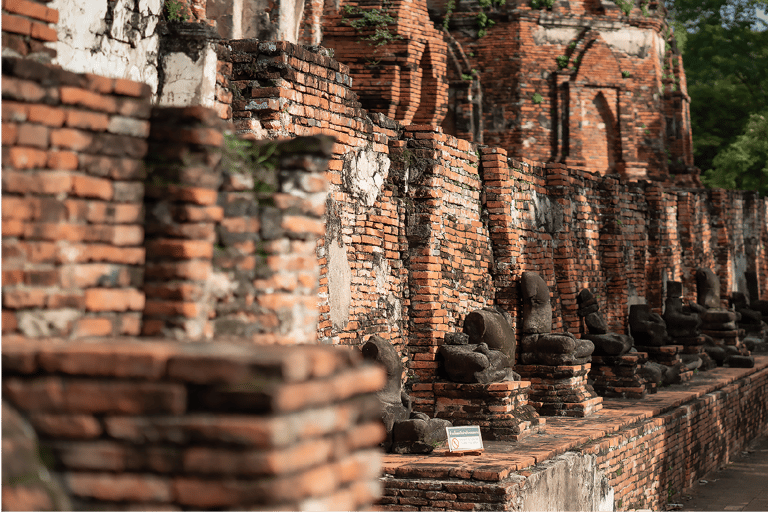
(399, 68)
(161, 425)
(27, 28)
(73, 191)
(449, 250)
(616, 99)
(653, 462)
(648, 453)
(284, 90)
(265, 275)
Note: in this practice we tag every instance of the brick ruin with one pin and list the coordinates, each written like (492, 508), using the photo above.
(411, 183)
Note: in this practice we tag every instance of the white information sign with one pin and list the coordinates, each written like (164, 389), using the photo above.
(461, 439)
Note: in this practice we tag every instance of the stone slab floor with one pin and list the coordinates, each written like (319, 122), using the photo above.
(740, 485)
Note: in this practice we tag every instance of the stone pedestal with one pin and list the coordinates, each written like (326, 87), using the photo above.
(619, 377)
(694, 345)
(501, 409)
(669, 355)
(560, 390)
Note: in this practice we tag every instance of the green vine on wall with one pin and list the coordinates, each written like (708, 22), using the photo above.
(625, 6)
(450, 7)
(259, 159)
(379, 20)
(542, 4)
(482, 19)
(174, 11)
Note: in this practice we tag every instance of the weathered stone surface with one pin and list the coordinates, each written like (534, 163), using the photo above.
(537, 311)
(708, 288)
(492, 327)
(647, 328)
(610, 344)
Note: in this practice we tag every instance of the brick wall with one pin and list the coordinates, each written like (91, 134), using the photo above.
(27, 28)
(73, 192)
(580, 83)
(160, 425)
(403, 76)
(648, 451)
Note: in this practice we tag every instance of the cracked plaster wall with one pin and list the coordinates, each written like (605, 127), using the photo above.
(115, 39)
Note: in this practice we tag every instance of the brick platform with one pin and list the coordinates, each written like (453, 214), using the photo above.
(617, 376)
(560, 390)
(669, 355)
(650, 449)
(500, 408)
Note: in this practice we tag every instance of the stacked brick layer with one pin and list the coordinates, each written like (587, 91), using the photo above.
(650, 450)
(27, 28)
(618, 377)
(161, 425)
(500, 409)
(560, 390)
(73, 191)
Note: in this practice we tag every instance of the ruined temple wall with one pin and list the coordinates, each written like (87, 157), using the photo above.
(518, 61)
(282, 90)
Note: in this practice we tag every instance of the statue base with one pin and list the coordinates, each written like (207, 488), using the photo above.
(501, 409)
(561, 390)
(618, 376)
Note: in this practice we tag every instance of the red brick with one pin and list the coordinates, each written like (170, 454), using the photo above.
(100, 84)
(27, 298)
(131, 88)
(16, 24)
(180, 249)
(43, 32)
(172, 308)
(27, 158)
(120, 487)
(36, 183)
(88, 99)
(9, 320)
(13, 227)
(89, 186)
(69, 138)
(62, 160)
(49, 116)
(9, 134)
(46, 394)
(15, 112)
(108, 299)
(22, 90)
(32, 9)
(34, 135)
(85, 327)
(303, 225)
(87, 120)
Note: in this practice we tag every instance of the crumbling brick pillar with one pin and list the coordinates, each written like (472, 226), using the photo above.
(265, 263)
(183, 180)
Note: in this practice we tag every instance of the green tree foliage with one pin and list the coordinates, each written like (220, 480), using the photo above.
(725, 50)
(744, 163)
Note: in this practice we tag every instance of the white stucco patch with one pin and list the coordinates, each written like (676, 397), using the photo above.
(554, 35)
(339, 284)
(634, 41)
(187, 81)
(637, 42)
(365, 173)
(127, 48)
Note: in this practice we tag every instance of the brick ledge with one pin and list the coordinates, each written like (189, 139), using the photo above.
(500, 459)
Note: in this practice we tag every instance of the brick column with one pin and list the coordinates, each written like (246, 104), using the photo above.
(183, 179)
